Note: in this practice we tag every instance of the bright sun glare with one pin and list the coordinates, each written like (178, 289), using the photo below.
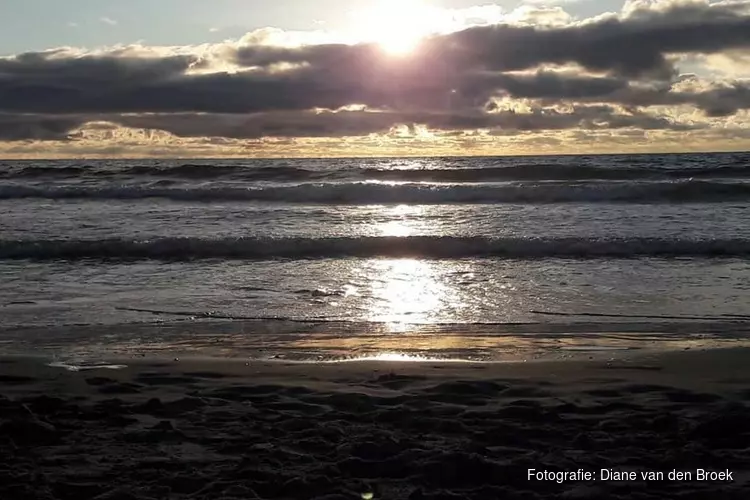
(396, 25)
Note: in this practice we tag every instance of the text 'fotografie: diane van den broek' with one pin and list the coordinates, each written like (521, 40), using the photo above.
(620, 475)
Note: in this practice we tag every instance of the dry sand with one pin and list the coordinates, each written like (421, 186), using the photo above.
(226, 430)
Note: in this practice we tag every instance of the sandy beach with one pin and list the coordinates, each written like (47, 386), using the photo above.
(375, 250)
(217, 429)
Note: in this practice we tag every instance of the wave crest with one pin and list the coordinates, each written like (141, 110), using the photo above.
(488, 172)
(377, 193)
(429, 247)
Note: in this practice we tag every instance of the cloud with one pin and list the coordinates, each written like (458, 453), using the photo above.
(108, 20)
(733, 64)
(552, 2)
(331, 124)
(535, 70)
(32, 127)
(538, 15)
(341, 75)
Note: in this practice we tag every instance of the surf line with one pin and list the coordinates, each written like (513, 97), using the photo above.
(214, 315)
(727, 317)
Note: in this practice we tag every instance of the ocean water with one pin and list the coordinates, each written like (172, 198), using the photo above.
(470, 258)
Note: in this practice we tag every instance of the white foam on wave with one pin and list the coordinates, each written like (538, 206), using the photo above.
(82, 367)
(402, 357)
(358, 193)
(389, 357)
(429, 247)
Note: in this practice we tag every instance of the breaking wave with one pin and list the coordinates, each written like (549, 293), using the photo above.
(429, 247)
(380, 193)
(492, 172)
(543, 171)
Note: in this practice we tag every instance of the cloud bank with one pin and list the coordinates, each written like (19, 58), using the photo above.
(531, 82)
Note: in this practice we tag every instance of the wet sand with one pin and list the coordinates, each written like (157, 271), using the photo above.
(218, 429)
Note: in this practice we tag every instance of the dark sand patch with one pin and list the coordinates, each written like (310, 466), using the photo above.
(633, 367)
(14, 379)
(158, 378)
(212, 375)
(412, 432)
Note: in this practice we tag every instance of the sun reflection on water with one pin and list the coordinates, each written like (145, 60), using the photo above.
(395, 228)
(402, 220)
(402, 357)
(405, 291)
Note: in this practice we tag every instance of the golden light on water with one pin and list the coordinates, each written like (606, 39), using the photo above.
(395, 228)
(403, 357)
(403, 220)
(405, 291)
(392, 356)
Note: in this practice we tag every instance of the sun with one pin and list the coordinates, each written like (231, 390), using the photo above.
(399, 45)
(397, 26)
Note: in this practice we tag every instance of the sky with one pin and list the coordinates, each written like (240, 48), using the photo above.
(291, 78)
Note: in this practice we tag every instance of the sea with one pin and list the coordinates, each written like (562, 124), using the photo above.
(465, 258)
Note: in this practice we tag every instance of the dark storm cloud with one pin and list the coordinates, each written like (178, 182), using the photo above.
(357, 123)
(447, 84)
(61, 82)
(31, 127)
(715, 101)
(118, 66)
(723, 101)
(635, 46)
(294, 124)
(550, 85)
(93, 89)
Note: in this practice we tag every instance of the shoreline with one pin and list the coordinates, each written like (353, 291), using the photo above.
(669, 360)
(574, 362)
(311, 342)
